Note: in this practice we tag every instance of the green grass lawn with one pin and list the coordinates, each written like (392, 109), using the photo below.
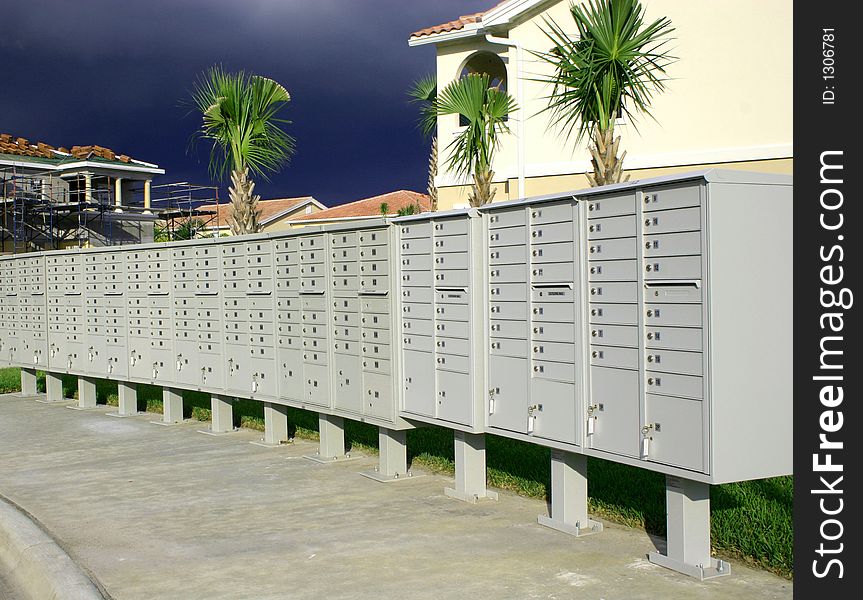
(751, 520)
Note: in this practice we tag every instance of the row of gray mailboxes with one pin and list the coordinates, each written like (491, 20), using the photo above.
(647, 323)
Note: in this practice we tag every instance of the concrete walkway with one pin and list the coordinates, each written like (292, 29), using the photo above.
(164, 512)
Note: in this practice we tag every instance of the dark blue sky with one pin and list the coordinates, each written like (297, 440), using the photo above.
(113, 73)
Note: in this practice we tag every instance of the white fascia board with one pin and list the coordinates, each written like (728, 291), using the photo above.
(506, 13)
(469, 30)
(85, 164)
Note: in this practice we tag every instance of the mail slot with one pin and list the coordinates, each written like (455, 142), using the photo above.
(376, 305)
(346, 304)
(376, 321)
(416, 278)
(451, 261)
(416, 263)
(612, 249)
(451, 328)
(553, 312)
(345, 269)
(374, 237)
(417, 294)
(507, 236)
(512, 292)
(610, 206)
(421, 246)
(688, 386)
(312, 242)
(613, 292)
(499, 328)
(417, 311)
(673, 267)
(554, 351)
(552, 332)
(418, 342)
(417, 326)
(674, 361)
(683, 292)
(506, 218)
(506, 255)
(452, 362)
(341, 255)
(515, 348)
(552, 233)
(669, 221)
(672, 244)
(552, 272)
(507, 273)
(663, 198)
(612, 227)
(341, 282)
(343, 239)
(452, 312)
(415, 230)
(679, 315)
(450, 226)
(613, 270)
(674, 338)
(614, 356)
(561, 371)
(555, 252)
(381, 336)
(451, 345)
(553, 212)
(451, 243)
(614, 335)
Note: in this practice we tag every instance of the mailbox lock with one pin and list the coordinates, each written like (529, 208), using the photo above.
(647, 222)
(648, 268)
(592, 228)
(650, 358)
(590, 207)
(646, 429)
(594, 333)
(594, 354)
(593, 291)
(650, 335)
(649, 312)
(593, 312)
(650, 381)
(592, 249)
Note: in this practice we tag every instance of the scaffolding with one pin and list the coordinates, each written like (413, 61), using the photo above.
(44, 211)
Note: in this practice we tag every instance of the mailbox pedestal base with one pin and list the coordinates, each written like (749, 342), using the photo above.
(28, 382)
(569, 496)
(53, 389)
(393, 457)
(688, 551)
(127, 394)
(172, 407)
(470, 469)
(86, 394)
(332, 445)
(275, 426)
(221, 416)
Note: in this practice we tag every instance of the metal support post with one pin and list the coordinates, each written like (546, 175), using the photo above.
(332, 444)
(86, 393)
(28, 382)
(275, 424)
(127, 394)
(688, 525)
(569, 495)
(172, 407)
(470, 468)
(392, 457)
(53, 388)
(221, 415)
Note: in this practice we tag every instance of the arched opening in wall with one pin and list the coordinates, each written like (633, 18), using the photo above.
(487, 63)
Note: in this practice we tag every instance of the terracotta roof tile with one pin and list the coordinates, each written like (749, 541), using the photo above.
(269, 209)
(370, 207)
(454, 25)
(22, 147)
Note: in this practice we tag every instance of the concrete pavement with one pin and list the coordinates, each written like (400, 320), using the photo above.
(164, 512)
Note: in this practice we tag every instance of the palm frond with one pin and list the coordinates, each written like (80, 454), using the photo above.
(485, 110)
(240, 120)
(616, 63)
(424, 92)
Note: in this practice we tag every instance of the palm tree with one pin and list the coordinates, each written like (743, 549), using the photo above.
(424, 92)
(485, 109)
(614, 67)
(240, 118)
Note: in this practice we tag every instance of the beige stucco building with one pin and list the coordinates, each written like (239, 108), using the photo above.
(728, 102)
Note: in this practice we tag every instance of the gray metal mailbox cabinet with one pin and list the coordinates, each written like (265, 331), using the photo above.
(440, 319)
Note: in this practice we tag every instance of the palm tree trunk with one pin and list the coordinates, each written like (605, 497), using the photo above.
(607, 166)
(432, 188)
(244, 204)
(481, 192)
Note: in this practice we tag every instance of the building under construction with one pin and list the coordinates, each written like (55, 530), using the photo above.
(52, 198)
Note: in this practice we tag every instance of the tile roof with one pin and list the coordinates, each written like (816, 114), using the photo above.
(20, 146)
(454, 25)
(370, 207)
(270, 209)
